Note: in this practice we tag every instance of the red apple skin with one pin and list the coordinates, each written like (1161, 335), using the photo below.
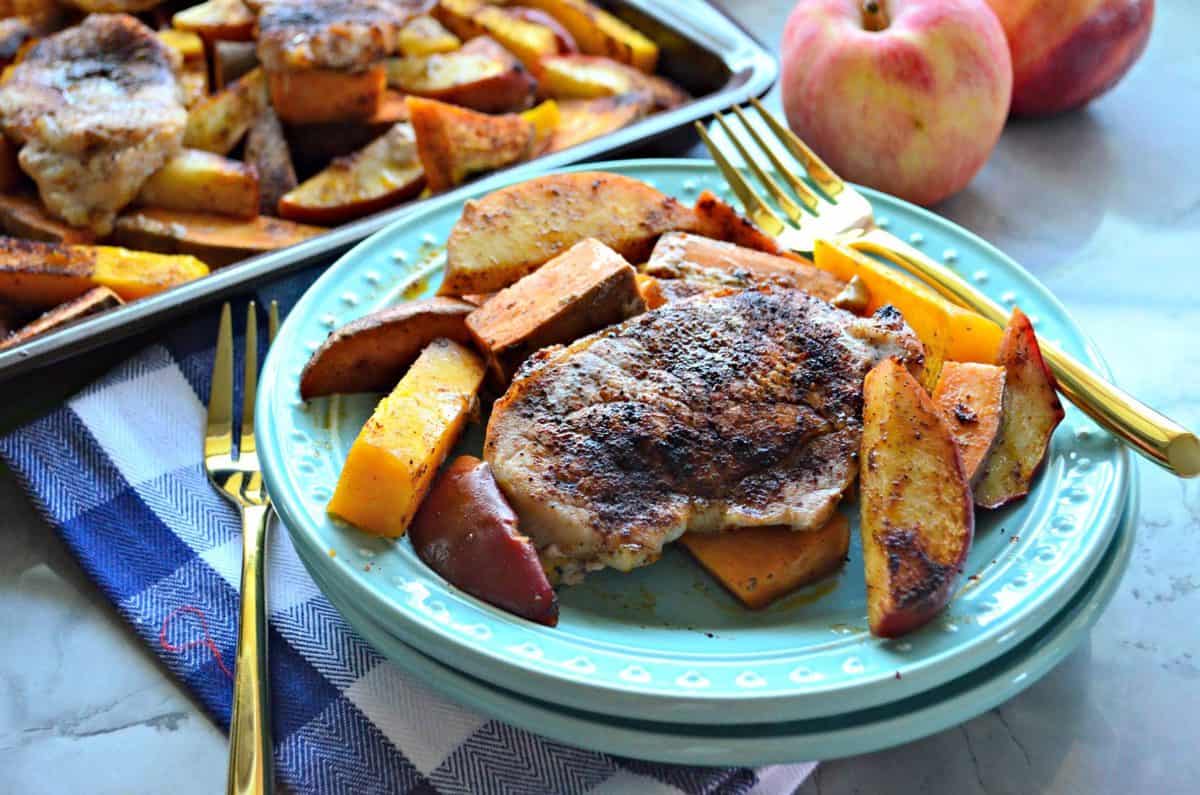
(913, 110)
(466, 532)
(1068, 52)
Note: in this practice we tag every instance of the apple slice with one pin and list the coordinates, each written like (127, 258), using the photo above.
(466, 531)
(371, 354)
(1032, 411)
(472, 80)
(971, 398)
(917, 519)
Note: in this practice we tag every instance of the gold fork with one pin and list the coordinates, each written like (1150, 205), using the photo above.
(237, 475)
(836, 211)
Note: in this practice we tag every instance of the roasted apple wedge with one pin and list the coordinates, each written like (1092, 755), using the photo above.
(598, 32)
(393, 461)
(584, 119)
(917, 518)
(218, 240)
(971, 398)
(267, 152)
(759, 565)
(453, 143)
(381, 175)
(1032, 411)
(466, 531)
(424, 35)
(467, 78)
(24, 215)
(198, 181)
(371, 353)
(217, 20)
(590, 76)
(515, 230)
(217, 124)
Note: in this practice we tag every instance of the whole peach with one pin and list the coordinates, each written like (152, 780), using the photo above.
(1066, 53)
(909, 99)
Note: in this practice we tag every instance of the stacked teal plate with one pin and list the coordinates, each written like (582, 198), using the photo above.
(665, 644)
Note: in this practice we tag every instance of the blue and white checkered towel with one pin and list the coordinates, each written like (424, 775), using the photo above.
(117, 471)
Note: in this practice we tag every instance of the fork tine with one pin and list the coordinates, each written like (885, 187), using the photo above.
(218, 433)
(806, 195)
(790, 208)
(820, 173)
(249, 381)
(756, 208)
(273, 322)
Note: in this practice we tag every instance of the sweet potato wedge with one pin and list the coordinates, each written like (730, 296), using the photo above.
(217, 123)
(231, 60)
(718, 220)
(453, 143)
(371, 353)
(314, 145)
(680, 255)
(424, 35)
(584, 119)
(322, 95)
(24, 215)
(965, 336)
(393, 461)
(217, 20)
(381, 175)
(917, 517)
(46, 274)
(199, 181)
(513, 231)
(1032, 411)
(598, 32)
(268, 154)
(758, 565)
(218, 240)
(970, 397)
(466, 531)
(92, 302)
(475, 81)
(586, 288)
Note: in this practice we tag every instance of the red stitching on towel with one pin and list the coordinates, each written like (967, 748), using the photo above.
(206, 641)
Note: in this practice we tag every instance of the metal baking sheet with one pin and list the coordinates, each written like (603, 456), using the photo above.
(702, 49)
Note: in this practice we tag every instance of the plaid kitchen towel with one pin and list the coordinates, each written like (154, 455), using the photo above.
(117, 471)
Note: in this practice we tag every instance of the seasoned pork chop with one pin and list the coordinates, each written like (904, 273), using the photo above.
(345, 35)
(718, 411)
(98, 109)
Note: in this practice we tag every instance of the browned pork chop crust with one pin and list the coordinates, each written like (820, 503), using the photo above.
(712, 412)
(345, 35)
(98, 109)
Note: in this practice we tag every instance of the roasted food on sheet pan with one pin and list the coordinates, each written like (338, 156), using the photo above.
(96, 110)
(716, 412)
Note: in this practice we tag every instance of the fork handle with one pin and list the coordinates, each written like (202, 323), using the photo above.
(250, 747)
(1159, 438)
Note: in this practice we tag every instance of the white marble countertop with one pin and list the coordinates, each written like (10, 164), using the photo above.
(1103, 206)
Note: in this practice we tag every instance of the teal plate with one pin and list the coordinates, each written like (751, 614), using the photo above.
(758, 744)
(665, 642)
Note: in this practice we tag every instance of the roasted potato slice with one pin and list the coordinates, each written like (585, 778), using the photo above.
(479, 82)
(513, 231)
(199, 181)
(759, 565)
(371, 353)
(598, 32)
(383, 174)
(586, 288)
(1032, 411)
(424, 35)
(393, 461)
(917, 518)
(965, 336)
(46, 274)
(584, 119)
(217, 123)
(92, 302)
(23, 215)
(218, 240)
(971, 398)
(268, 154)
(466, 531)
(217, 20)
(680, 255)
(323, 95)
(454, 143)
